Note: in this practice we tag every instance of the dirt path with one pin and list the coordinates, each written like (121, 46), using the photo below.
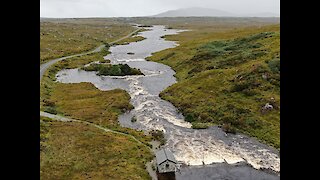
(46, 65)
(151, 172)
(65, 119)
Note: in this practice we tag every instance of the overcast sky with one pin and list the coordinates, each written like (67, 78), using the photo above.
(129, 8)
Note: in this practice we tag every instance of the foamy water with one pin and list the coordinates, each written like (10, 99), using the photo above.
(191, 146)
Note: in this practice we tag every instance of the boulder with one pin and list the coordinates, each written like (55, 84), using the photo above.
(266, 107)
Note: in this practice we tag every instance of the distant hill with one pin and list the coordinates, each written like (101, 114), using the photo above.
(199, 11)
(195, 11)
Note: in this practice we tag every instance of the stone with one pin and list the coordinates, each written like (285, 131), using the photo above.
(267, 107)
(264, 76)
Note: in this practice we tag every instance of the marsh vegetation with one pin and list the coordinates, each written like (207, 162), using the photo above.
(228, 71)
(66, 148)
(70, 150)
(63, 37)
(227, 78)
(112, 69)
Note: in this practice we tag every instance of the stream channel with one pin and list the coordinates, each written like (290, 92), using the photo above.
(207, 153)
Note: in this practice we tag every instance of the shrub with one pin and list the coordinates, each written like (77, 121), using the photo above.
(190, 117)
(125, 69)
(239, 87)
(249, 92)
(104, 61)
(227, 120)
(199, 126)
(252, 123)
(228, 128)
(159, 136)
(51, 110)
(112, 70)
(274, 65)
(48, 103)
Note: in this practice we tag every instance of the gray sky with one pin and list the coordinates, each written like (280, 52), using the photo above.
(128, 8)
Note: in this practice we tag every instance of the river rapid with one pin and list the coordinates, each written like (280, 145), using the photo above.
(193, 147)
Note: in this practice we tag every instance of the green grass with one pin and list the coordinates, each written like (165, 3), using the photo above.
(199, 125)
(83, 100)
(225, 77)
(158, 136)
(48, 83)
(71, 150)
(65, 37)
(112, 69)
(129, 40)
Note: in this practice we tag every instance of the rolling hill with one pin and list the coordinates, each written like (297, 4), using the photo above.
(208, 12)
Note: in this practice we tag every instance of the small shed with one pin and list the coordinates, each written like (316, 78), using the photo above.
(165, 161)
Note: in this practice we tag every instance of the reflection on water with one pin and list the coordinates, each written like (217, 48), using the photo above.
(193, 147)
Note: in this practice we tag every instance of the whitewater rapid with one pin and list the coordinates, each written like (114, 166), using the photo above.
(190, 146)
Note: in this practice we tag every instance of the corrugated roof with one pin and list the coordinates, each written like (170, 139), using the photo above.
(163, 155)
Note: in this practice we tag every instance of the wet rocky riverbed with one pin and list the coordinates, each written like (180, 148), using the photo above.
(190, 146)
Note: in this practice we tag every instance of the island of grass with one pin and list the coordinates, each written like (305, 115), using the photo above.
(112, 70)
(145, 26)
(130, 39)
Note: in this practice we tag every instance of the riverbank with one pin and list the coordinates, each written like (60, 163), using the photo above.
(152, 113)
(228, 78)
(77, 156)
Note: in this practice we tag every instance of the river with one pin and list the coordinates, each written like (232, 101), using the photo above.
(221, 153)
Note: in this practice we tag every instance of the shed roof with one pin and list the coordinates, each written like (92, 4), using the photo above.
(163, 155)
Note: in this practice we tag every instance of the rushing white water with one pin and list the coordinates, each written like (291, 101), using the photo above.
(191, 146)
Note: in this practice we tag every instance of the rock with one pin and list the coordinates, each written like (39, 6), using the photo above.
(264, 76)
(266, 107)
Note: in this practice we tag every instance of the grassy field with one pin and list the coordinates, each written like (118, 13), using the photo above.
(48, 84)
(71, 150)
(227, 69)
(62, 37)
(76, 151)
(226, 75)
(206, 24)
(84, 101)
